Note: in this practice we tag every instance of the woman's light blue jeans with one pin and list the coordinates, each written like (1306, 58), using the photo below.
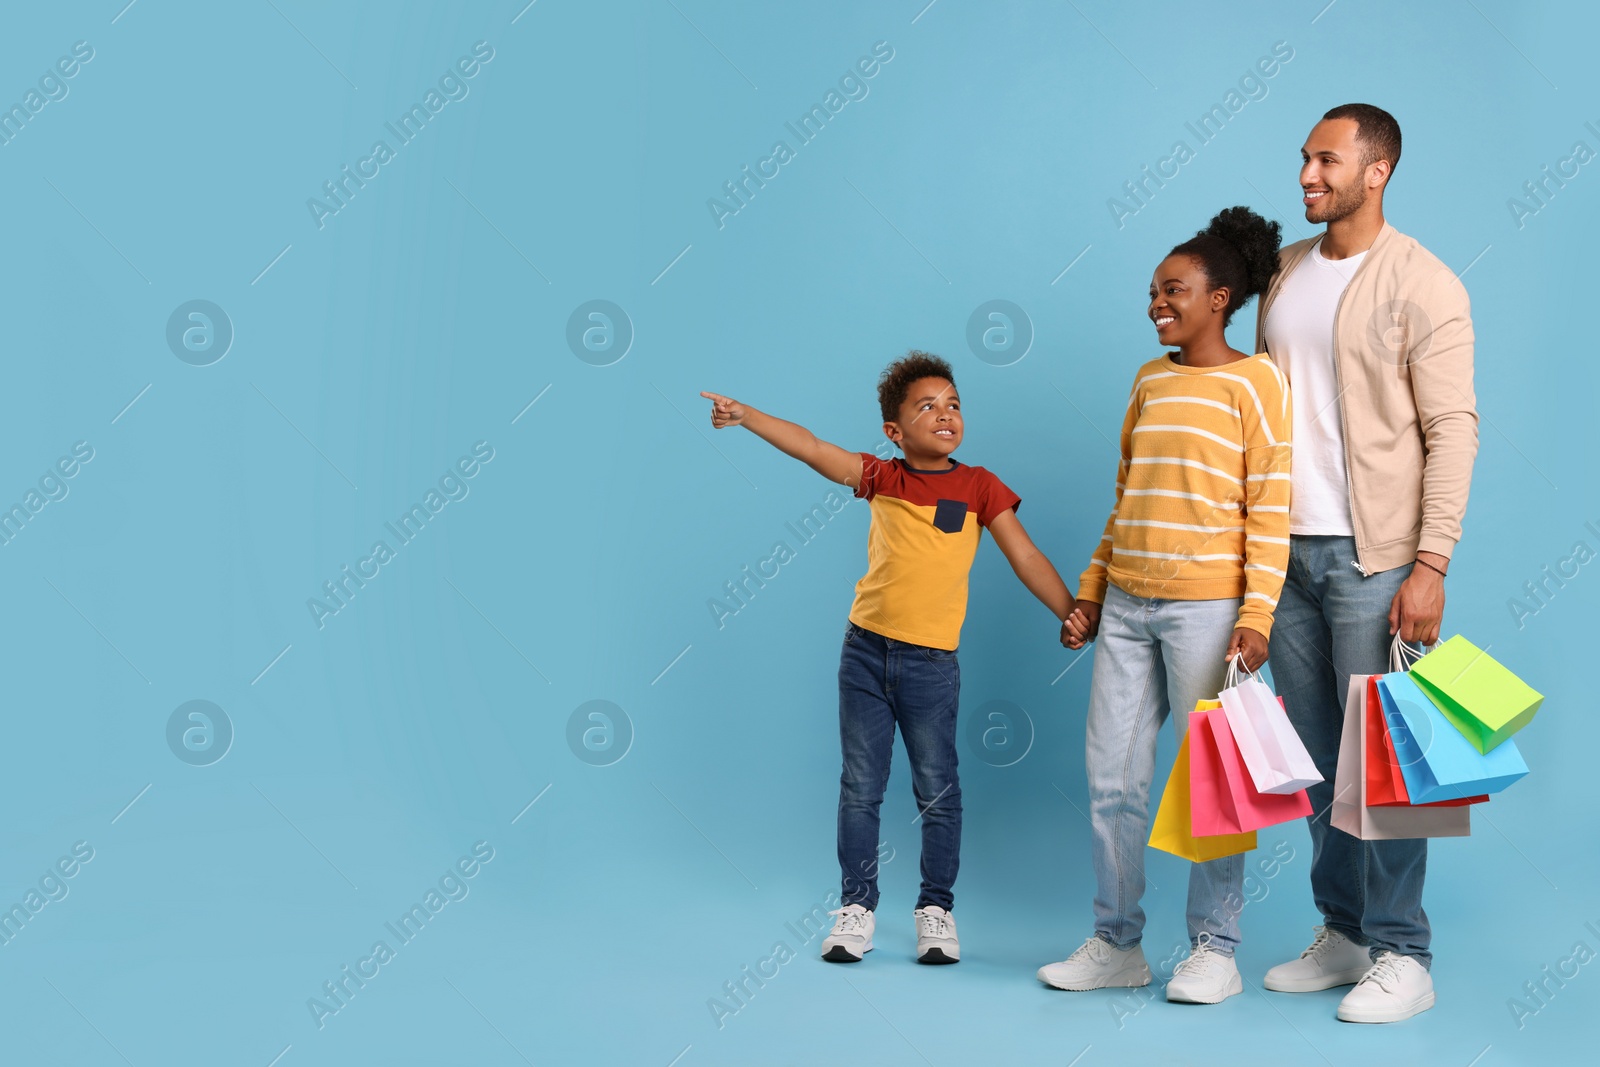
(1152, 657)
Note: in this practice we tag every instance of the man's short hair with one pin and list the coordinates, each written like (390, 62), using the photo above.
(1376, 131)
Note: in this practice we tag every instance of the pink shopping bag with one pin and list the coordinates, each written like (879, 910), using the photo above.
(1223, 798)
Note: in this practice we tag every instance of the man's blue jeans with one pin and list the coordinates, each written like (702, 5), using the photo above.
(882, 683)
(1152, 658)
(1333, 622)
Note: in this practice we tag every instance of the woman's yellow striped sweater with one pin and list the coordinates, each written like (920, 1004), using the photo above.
(1202, 507)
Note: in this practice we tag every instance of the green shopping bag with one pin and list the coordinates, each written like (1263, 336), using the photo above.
(1482, 699)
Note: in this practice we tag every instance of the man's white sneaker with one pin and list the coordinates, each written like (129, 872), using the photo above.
(1395, 987)
(1331, 960)
(1206, 976)
(1098, 964)
(851, 937)
(936, 936)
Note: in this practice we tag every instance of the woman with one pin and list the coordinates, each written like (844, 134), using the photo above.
(1184, 580)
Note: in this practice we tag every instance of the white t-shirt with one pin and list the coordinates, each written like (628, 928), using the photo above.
(1299, 338)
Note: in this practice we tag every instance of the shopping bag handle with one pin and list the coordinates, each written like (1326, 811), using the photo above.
(1232, 678)
(1402, 655)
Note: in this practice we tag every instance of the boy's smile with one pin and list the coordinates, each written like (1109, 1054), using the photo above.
(930, 425)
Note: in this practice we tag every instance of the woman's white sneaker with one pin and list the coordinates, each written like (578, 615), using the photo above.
(1395, 987)
(1330, 960)
(851, 937)
(936, 936)
(1206, 976)
(1098, 964)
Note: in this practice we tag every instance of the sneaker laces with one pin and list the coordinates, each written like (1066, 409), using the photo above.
(935, 924)
(1199, 958)
(852, 919)
(1320, 944)
(1095, 949)
(1385, 971)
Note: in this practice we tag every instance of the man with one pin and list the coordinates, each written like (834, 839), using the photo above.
(1375, 336)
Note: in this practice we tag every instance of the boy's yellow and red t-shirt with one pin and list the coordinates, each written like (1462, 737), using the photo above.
(924, 535)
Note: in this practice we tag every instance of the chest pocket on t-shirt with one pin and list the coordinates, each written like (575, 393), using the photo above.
(950, 515)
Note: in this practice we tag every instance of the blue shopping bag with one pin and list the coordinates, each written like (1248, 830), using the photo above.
(1437, 761)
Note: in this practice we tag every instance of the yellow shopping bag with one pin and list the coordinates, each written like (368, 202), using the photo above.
(1171, 832)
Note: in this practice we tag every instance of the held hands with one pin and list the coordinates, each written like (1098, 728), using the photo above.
(1250, 645)
(725, 411)
(1082, 625)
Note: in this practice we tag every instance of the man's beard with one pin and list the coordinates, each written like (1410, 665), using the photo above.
(1345, 202)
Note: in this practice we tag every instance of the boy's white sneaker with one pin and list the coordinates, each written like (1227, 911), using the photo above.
(1205, 976)
(936, 936)
(1331, 959)
(1098, 964)
(1395, 987)
(851, 937)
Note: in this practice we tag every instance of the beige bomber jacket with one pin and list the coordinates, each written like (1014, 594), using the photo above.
(1403, 357)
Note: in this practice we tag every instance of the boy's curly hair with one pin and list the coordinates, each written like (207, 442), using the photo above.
(898, 376)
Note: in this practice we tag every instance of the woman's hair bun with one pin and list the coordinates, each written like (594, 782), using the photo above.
(1238, 250)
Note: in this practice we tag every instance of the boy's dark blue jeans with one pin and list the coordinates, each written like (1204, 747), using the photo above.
(883, 682)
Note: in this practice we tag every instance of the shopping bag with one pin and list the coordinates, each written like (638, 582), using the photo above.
(1222, 798)
(1436, 759)
(1385, 783)
(1350, 811)
(1482, 699)
(1171, 832)
(1277, 760)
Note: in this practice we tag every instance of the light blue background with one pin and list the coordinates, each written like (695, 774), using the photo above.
(429, 312)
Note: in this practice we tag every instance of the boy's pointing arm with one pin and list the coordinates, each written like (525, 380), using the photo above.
(829, 460)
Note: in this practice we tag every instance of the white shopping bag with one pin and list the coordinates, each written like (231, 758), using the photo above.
(1272, 752)
(1388, 822)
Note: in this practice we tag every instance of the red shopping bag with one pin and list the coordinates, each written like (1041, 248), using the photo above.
(1223, 798)
(1386, 786)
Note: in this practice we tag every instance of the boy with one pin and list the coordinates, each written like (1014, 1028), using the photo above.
(899, 664)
